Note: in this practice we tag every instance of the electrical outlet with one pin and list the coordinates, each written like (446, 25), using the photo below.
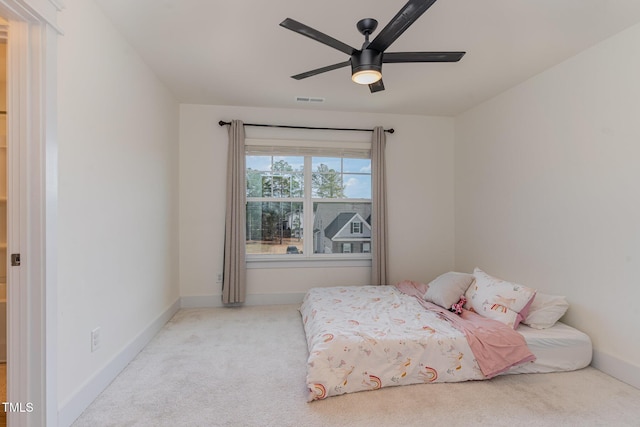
(219, 278)
(95, 339)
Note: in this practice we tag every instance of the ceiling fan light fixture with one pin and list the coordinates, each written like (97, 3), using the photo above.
(366, 67)
(366, 77)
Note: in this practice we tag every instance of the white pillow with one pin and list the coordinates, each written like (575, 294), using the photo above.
(498, 299)
(546, 310)
(446, 289)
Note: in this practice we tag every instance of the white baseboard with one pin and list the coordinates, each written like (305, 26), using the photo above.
(619, 369)
(203, 301)
(71, 410)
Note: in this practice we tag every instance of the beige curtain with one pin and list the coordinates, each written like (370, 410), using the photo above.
(379, 209)
(234, 273)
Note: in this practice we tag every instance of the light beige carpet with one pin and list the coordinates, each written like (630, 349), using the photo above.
(246, 367)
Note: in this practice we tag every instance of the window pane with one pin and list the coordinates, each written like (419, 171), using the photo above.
(327, 185)
(357, 165)
(274, 228)
(257, 168)
(333, 230)
(326, 179)
(357, 186)
(275, 176)
(286, 185)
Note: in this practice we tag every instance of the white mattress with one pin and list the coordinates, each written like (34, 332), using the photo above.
(559, 348)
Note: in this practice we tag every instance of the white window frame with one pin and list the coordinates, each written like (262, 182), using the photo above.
(308, 149)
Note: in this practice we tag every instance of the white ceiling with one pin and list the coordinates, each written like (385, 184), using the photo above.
(233, 52)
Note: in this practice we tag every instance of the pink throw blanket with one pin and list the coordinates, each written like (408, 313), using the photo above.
(495, 345)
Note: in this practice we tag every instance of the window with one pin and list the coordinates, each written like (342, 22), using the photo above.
(307, 205)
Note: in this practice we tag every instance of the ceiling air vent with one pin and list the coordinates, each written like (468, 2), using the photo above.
(309, 100)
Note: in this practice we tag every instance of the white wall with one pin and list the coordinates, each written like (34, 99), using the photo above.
(548, 191)
(118, 228)
(420, 186)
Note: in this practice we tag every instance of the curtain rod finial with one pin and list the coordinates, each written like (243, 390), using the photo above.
(221, 123)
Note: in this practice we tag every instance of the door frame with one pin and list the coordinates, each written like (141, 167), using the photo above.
(32, 210)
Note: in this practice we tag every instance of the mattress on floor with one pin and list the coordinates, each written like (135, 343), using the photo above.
(559, 348)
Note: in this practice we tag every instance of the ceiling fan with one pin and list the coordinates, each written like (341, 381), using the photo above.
(366, 63)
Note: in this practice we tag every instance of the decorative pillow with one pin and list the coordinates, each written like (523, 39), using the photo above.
(446, 289)
(498, 299)
(546, 310)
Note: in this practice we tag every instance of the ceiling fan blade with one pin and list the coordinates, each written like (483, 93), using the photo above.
(396, 57)
(403, 20)
(316, 35)
(321, 70)
(377, 86)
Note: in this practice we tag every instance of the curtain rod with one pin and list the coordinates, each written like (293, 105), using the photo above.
(222, 123)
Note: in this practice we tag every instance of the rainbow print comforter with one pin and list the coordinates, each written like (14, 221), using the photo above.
(367, 337)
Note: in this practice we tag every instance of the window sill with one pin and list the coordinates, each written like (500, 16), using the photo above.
(296, 261)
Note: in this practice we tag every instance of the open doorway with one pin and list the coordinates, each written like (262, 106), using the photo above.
(31, 170)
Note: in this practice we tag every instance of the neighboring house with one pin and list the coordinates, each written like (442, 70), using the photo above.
(342, 228)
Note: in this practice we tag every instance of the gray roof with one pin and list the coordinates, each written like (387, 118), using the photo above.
(337, 224)
(327, 213)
